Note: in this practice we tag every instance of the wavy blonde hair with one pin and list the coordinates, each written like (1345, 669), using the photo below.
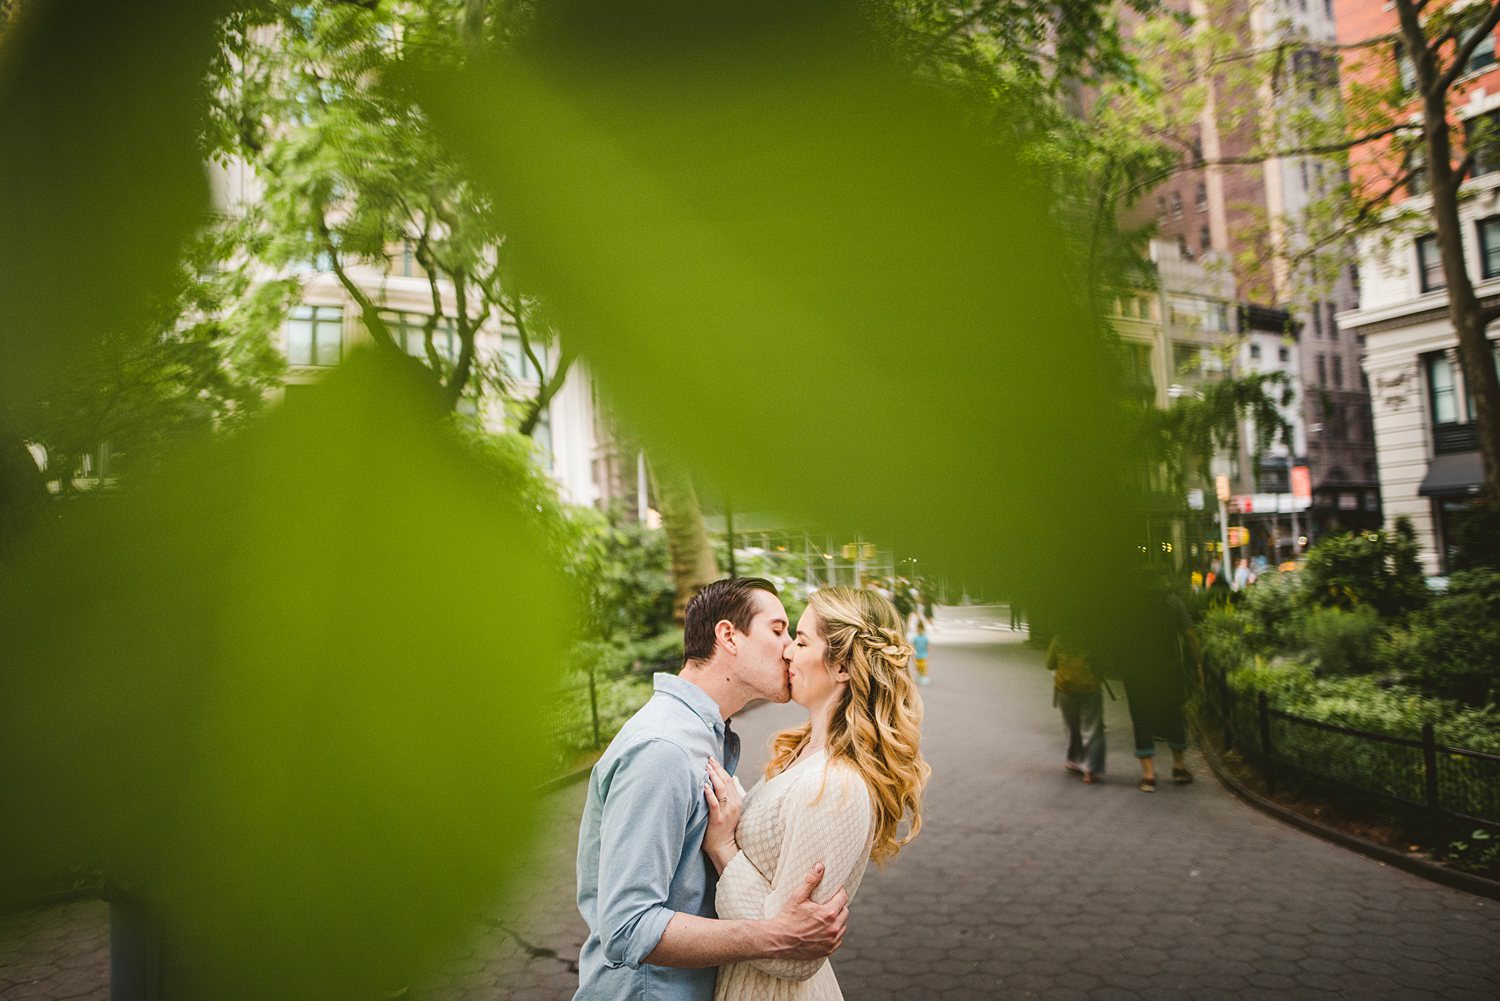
(877, 727)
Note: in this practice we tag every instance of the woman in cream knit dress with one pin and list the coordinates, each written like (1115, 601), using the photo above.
(837, 790)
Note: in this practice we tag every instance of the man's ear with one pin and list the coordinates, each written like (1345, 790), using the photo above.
(724, 633)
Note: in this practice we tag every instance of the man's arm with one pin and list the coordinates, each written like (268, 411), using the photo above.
(646, 811)
(803, 929)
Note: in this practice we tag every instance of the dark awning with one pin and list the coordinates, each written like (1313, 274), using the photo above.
(1453, 476)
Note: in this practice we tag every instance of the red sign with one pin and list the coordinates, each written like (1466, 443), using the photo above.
(1301, 482)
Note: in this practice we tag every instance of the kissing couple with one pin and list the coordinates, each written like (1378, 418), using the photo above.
(694, 890)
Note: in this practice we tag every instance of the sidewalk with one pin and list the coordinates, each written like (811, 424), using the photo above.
(1026, 883)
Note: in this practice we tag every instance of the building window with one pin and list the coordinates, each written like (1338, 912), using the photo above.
(409, 330)
(1332, 322)
(1483, 54)
(1481, 139)
(1442, 389)
(1183, 248)
(1205, 239)
(1430, 264)
(1218, 317)
(315, 335)
(1415, 163)
(1322, 364)
(1283, 355)
(1489, 246)
(1255, 352)
(1200, 197)
(1338, 371)
(1406, 70)
(1176, 197)
(517, 362)
(1317, 314)
(1187, 359)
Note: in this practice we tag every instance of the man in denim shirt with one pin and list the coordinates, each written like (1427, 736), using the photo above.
(645, 888)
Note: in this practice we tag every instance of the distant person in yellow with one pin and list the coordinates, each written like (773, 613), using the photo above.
(838, 788)
(1076, 692)
(919, 652)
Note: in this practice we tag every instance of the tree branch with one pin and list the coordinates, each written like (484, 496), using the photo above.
(466, 327)
(1320, 149)
(547, 391)
(369, 312)
(1484, 29)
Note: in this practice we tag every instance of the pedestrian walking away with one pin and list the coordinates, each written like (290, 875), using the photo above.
(1157, 682)
(1078, 693)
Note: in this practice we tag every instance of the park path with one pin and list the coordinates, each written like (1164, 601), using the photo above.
(1024, 884)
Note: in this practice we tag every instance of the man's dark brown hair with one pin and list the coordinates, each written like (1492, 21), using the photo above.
(723, 599)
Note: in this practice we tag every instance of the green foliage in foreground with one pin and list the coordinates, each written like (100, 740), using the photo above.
(288, 692)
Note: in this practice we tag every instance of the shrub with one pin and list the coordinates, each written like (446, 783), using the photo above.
(1284, 682)
(662, 652)
(1457, 638)
(1466, 784)
(1342, 642)
(1477, 539)
(1378, 569)
(1225, 635)
(1271, 607)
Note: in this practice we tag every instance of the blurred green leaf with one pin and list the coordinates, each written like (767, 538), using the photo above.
(101, 180)
(744, 221)
(289, 694)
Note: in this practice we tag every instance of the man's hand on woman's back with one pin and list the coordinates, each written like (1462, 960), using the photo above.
(806, 929)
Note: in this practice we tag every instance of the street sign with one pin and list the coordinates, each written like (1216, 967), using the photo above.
(1301, 482)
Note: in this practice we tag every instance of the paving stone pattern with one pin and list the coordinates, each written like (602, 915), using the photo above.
(1024, 884)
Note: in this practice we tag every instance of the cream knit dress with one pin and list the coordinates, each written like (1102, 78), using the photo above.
(789, 823)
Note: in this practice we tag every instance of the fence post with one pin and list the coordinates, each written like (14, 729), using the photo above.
(134, 950)
(1265, 742)
(1226, 710)
(1429, 764)
(594, 701)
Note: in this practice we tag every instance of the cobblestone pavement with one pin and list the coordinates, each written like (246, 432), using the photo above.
(56, 952)
(1024, 884)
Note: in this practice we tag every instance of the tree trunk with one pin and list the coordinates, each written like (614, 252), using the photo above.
(1469, 317)
(693, 562)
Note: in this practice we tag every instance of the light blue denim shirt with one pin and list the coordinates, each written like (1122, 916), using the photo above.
(640, 845)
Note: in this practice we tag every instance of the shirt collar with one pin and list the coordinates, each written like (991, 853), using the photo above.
(693, 697)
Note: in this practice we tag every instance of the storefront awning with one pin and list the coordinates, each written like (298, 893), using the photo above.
(1458, 475)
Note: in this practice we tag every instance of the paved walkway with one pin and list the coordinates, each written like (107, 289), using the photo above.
(1025, 883)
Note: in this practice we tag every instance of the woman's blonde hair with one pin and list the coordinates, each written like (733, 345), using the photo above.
(877, 726)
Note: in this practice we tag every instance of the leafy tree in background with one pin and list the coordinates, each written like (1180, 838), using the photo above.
(346, 173)
(208, 368)
(1184, 438)
(1396, 126)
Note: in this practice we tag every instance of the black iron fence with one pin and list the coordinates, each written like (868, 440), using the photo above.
(1414, 772)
